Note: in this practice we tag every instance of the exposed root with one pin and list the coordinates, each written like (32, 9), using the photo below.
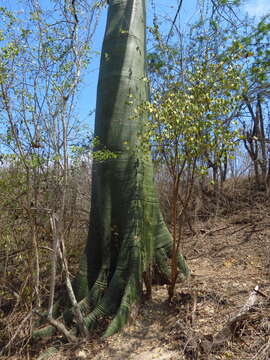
(129, 298)
(117, 285)
(99, 286)
(84, 306)
(48, 354)
(162, 267)
(122, 292)
(45, 331)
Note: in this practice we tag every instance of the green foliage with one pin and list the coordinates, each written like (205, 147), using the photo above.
(190, 121)
(252, 51)
(41, 64)
(91, 148)
(43, 53)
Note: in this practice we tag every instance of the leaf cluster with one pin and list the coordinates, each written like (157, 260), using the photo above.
(191, 120)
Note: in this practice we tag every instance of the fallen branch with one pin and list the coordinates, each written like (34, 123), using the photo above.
(77, 312)
(241, 228)
(59, 250)
(205, 234)
(212, 231)
(62, 329)
(59, 245)
(59, 326)
(227, 332)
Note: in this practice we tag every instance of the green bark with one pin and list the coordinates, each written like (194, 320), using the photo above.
(127, 232)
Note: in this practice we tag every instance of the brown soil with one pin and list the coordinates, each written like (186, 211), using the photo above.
(228, 258)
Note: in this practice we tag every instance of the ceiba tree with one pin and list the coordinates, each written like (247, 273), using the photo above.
(127, 235)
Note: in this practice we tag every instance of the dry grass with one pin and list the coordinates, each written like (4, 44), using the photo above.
(228, 255)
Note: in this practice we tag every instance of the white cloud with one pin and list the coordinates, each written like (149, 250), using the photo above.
(257, 7)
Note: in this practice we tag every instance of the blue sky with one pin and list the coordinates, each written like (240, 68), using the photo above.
(257, 7)
(165, 9)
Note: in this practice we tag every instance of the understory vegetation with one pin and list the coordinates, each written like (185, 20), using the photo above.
(225, 241)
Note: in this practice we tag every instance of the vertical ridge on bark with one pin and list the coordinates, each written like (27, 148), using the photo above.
(127, 233)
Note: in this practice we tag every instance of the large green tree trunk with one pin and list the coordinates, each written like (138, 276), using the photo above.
(127, 233)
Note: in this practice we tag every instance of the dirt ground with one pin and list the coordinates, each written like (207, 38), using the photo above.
(233, 260)
(228, 258)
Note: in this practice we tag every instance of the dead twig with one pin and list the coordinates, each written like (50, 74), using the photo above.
(212, 231)
(59, 326)
(228, 329)
(59, 248)
(16, 333)
(241, 228)
(77, 312)
(260, 293)
(264, 352)
(193, 314)
(207, 233)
